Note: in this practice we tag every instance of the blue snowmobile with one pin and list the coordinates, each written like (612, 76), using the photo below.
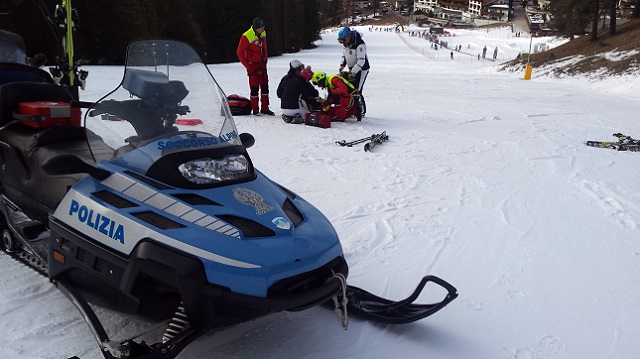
(129, 212)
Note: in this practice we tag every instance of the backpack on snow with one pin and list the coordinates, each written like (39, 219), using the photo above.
(239, 105)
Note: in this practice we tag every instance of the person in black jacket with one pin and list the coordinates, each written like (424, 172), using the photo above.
(295, 93)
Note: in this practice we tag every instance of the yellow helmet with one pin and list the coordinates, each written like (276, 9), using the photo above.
(319, 79)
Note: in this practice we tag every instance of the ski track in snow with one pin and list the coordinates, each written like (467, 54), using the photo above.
(619, 209)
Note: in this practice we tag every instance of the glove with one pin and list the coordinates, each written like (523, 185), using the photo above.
(352, 76)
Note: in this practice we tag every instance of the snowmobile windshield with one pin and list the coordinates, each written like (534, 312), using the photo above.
(167, 102)
(12, 48)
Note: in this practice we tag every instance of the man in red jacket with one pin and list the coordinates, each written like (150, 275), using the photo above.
(252, 52)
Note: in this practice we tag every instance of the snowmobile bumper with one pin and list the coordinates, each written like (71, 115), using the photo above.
(154, 279)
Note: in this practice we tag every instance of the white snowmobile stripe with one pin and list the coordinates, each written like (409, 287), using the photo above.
(133, 231)
(193, 216)
(153, 198)
(160, 201)
(178, 209)
(118, 182)
(139, 192)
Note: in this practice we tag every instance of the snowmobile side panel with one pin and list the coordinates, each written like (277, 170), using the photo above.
(120, 232)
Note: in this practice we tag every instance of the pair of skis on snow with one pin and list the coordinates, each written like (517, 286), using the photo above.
(624, 143)
(372, 141)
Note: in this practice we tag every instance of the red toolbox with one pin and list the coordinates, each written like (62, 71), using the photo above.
(47, 113)
(317, 119)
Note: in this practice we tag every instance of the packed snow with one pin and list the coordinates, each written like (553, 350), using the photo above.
(485, 182)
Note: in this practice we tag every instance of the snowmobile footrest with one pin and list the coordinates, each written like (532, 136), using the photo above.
(371, 307)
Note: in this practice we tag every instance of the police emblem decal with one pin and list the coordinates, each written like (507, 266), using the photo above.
(281, 223)
(251, 198)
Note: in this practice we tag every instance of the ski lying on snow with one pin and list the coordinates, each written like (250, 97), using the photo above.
(377, 139)
(346, 143)
(624, 143)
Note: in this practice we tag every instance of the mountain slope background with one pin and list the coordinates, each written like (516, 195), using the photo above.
(610, 55)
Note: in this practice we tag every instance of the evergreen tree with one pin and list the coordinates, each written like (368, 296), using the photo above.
(613, 13)
(572, 16)
(212, 27)
(594, 21)
(311, 24)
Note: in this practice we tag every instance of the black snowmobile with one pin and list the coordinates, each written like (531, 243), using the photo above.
(146, 219)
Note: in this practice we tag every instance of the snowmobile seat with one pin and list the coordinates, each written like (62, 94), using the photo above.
(12, 94)
(24, 150)
(14, 72)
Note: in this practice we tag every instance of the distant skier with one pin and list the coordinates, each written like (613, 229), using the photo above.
(252, 53)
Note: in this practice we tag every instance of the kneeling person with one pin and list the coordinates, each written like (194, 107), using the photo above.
(295, 93)
(342, 96)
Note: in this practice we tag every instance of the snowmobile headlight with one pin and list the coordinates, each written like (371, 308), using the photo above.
(213, 170)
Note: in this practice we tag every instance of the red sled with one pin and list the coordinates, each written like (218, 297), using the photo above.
(189, 121)
(44, 114)
(317, 119)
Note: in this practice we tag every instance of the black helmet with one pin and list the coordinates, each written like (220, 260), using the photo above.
(258, 23)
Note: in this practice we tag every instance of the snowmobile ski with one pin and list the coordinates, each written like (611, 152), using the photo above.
(371, 307)
(377, 139)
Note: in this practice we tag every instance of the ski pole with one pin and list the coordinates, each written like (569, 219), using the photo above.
(350, 143)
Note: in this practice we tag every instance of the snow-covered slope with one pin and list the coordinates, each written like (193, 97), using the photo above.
(485, 182)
